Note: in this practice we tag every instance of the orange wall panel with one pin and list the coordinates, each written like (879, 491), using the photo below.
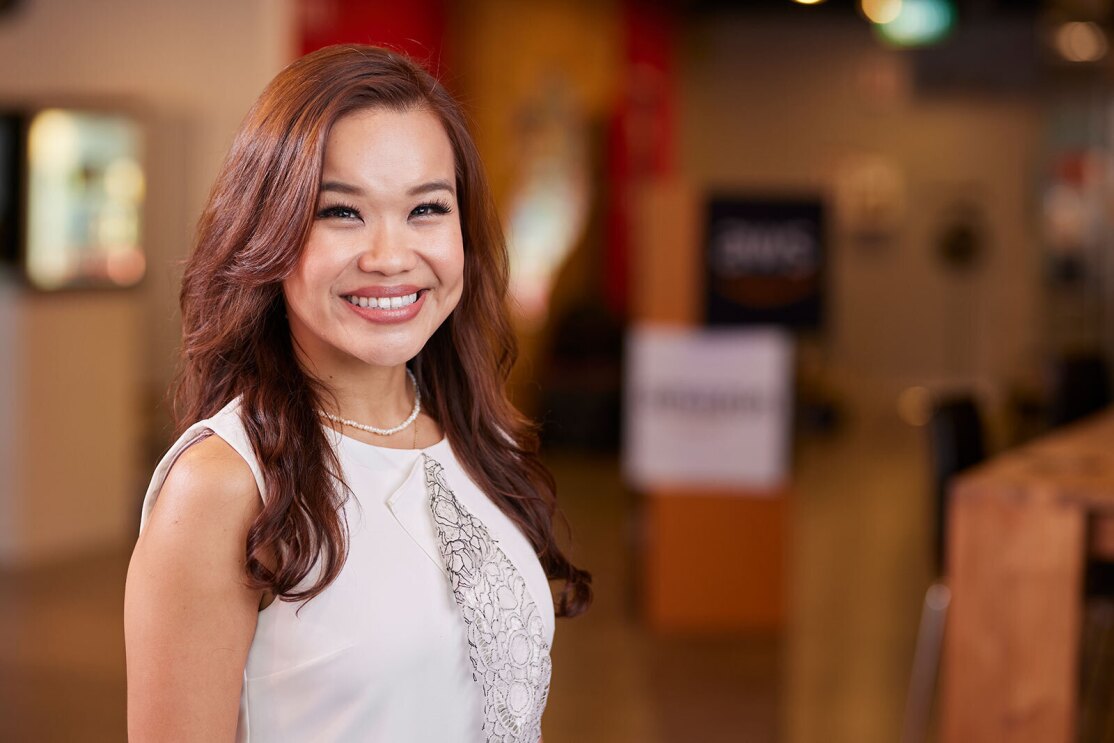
(715, 562)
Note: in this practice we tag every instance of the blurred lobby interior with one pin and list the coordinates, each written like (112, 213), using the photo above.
(780, 269)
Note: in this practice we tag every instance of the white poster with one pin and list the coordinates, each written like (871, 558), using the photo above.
(708, 408)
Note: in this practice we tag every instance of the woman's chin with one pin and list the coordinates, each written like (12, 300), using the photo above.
(388, 360)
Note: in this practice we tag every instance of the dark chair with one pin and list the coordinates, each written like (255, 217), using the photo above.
(1080, 387)
(956, 442)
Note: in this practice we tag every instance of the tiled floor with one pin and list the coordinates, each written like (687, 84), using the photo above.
(861, 557)
(62, 652)
(840, 671)
(836, 675)
(615, 681)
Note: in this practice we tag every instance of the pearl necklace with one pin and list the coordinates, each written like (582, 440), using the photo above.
(384, 431)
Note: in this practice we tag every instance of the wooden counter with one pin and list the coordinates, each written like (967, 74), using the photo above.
(1021, 529)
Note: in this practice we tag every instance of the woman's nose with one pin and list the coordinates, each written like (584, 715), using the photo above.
(387, 251)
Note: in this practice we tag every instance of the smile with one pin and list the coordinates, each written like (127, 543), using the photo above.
(382, 303)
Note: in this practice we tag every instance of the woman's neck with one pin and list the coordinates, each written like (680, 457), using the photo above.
(375, 396)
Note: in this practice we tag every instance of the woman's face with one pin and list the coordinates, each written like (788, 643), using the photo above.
(384, 263)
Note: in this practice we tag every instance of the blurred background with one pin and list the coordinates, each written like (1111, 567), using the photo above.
(779, 268)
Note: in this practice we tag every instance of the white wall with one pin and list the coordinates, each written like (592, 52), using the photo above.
(81, 373)
(771, 109)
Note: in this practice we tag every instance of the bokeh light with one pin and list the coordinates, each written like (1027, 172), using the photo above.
(1081, 41)
(880, 11)
(917, 23)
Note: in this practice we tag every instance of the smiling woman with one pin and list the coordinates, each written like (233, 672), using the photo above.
(309, 567)
(386, 229)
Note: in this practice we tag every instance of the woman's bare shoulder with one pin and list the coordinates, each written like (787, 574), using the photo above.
(198, 526)
(189, 612)
(208, 482)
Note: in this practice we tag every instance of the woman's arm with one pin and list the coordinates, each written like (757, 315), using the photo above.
(189, 618)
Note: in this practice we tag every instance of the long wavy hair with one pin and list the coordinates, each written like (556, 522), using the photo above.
(236, 338)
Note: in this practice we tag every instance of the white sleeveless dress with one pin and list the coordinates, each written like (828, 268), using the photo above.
(438, 627)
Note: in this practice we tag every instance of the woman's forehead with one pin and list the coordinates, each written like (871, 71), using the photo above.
(373, 150)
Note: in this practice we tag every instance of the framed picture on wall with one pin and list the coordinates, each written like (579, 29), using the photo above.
(72, 197)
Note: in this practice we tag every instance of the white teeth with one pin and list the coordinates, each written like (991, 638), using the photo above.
(382, 303)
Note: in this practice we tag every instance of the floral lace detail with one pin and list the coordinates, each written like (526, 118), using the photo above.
(506, 639)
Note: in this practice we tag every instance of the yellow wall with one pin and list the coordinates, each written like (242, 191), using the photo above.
(82, 372)
(504, 54)
(73, 425)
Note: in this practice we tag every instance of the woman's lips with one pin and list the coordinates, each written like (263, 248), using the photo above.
(400, 307)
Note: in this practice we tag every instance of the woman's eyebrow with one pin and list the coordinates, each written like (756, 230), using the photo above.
(424, 188)
(341, 187)
(439, 185)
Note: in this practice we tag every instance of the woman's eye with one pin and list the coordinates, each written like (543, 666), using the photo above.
(338, 211)
(430, 209)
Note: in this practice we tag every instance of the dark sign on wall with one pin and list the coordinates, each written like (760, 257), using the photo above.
(764, 262)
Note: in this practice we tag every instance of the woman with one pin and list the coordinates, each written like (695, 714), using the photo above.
(339, 547)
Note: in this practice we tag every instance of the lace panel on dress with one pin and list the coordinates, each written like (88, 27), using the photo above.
(506, 639)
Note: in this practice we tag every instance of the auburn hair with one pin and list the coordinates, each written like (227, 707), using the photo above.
(236, 338)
